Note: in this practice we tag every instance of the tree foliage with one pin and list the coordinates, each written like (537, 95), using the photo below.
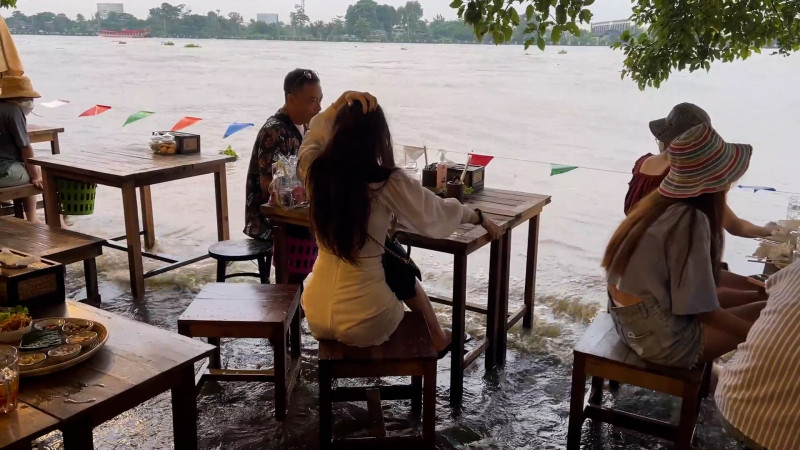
(681, 34)
(8, 3)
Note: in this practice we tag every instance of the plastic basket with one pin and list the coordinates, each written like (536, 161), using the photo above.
(302, 254)
(77, 198)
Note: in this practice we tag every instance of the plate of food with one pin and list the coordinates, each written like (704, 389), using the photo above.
(14, 323)
(58, 343)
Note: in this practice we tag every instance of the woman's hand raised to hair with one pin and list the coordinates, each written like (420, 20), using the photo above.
(368, 101)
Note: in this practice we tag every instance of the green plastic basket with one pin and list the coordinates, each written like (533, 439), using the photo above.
(77, 198)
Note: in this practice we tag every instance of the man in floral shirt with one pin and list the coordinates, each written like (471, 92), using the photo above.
(281, 134)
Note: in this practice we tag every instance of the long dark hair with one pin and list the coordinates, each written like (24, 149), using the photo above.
(628, 235)
(359, 153)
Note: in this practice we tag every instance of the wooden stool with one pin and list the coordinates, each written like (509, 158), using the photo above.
(242, 250)
(409, 352)
(603, 355)
(240, 310)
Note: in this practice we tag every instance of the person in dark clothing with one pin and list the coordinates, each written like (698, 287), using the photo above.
(282, 134)
(16, 102)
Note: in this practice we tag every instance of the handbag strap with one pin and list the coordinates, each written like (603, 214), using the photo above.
(405, 260)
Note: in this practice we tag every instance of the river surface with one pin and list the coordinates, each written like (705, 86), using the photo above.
(519, 106)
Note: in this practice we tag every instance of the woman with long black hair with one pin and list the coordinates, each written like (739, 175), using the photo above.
(355, 190)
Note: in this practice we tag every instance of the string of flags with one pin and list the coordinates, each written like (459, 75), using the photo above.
(413, 152)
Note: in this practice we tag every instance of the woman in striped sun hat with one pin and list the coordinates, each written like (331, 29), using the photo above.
(663, 262)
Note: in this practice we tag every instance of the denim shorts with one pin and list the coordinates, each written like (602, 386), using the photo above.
(658, 336)
(13, 174)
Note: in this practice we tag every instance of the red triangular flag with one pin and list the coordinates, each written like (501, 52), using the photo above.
(95, 110)
(480, 160)
(186, 122)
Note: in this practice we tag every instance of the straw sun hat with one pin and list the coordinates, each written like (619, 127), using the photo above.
(17, 87)
(701, 162)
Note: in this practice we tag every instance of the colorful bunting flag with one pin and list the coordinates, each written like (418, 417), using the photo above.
(54, 103)
(480, 160)
(235, 128)
(186, 122)
(757, 188)
(95, 110)
(558, 169)
(138, 116)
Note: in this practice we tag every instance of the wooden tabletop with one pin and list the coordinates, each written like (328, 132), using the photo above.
(138, 362)
(136, 163)
(42, 240)
(39, 130)
(507, 209)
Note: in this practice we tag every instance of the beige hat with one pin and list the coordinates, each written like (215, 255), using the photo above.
(17, 87)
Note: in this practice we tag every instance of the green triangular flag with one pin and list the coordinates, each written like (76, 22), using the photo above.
(138, 116)
(558, 169)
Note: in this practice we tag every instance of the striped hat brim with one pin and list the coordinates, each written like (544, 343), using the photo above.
(701, 162)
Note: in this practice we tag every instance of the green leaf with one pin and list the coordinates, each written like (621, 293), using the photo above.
(529, 12)
(556, 34)
(456, 4)
(585, 16)
(497, 37)
(561, 14)
(588, 2)
(540, 43)
(514, 16)
(573, 28)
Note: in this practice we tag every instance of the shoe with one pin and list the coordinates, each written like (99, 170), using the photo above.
(446, 350)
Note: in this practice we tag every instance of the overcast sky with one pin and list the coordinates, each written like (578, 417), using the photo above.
(316, 9)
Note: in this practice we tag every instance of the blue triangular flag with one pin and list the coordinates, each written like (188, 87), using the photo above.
(757, 188)
(236, 127)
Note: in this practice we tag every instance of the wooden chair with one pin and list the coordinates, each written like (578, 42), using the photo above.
(602, 355)
(240, 310)
(409, 352)
(242, 250)
(57, 244)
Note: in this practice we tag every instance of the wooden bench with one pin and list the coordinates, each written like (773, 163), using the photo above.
(57, 244)
(16, 194)
(602, 355)
(238, 310)
(409, 352)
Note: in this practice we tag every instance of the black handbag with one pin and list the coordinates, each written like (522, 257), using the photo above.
(399, 269)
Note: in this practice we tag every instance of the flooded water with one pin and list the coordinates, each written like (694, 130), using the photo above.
(568, 109)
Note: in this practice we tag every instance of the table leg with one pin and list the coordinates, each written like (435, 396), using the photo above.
(134, 242)
(90, 273)
(51, 201)
(281, 254)
(55, 148)
(530, 271)
(281, 392)
(221, 190)
(492, 302)
(294, 332)
(184, 411)
(502, 304)
(147, 217)
(458, 325)
(78, 436)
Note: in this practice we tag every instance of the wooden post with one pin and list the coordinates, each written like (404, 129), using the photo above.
(90, 274)
(221, 191)
(493, 300)
(78, 436)
(55, 148)
(134, 242)
(279, 350)
(184, 411)
(281, 253)
(147, 217)
(458, 325)
(530, 271)
(51, 200)
(502, 308)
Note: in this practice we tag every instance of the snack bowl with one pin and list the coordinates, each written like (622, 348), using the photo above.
(64, 353)
(49, 324)
(75, 326)
(29, 361)
(14, 337)
(86, 339)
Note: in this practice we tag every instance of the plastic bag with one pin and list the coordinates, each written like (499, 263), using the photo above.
(287, 191)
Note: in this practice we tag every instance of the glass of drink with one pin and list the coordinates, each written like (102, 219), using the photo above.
(9, 378)
(793, 210)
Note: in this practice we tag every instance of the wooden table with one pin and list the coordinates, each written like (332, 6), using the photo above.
(129, 169)
(38, 133)
(508, 209)
(63, 246)
(137, 363)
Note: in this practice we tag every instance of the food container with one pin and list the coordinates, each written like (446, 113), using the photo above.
(163, 144)
(64, 353)
(48, 324)
(75, 326)
(86, 339)
(185, 143)
(37, 284)
(14, 337)
(31, 360)
(474, 178)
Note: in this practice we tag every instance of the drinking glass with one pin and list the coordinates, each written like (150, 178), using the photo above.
(9, 378)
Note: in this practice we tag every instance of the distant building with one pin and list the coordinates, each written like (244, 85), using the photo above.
(270, 19)
(618, 26)
(104, 9)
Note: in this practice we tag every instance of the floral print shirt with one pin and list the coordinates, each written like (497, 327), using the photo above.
(278, 136)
